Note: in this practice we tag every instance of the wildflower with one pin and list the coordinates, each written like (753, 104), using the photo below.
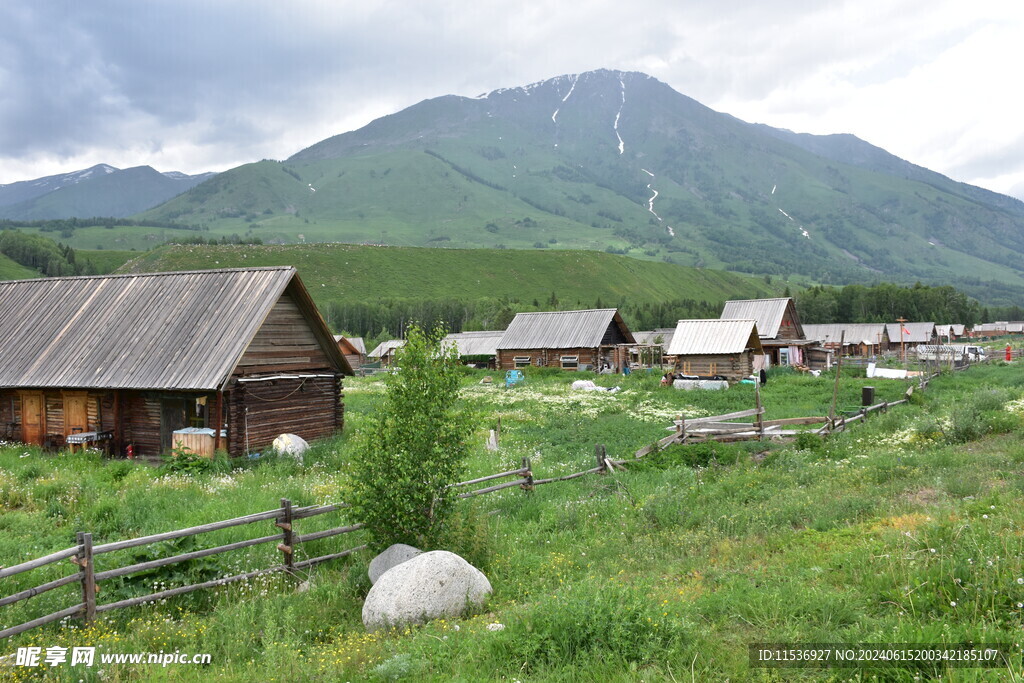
(952, 603)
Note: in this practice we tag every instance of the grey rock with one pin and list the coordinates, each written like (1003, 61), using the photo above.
(392, 557)
(429, 586)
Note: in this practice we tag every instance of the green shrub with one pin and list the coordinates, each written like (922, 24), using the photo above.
(414, 448)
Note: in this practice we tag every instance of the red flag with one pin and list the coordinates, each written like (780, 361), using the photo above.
(906, 331)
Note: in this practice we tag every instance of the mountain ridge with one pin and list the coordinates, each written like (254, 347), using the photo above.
(101, 190)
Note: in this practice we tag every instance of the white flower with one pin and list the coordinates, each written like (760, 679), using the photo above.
(952, 603)
(495, 627)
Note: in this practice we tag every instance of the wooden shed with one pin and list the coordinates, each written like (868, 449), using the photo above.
(716, 348)
(909, 335)
(354, 350)
(385, 352)
(479, 348)
(858, 339)
(241, 355)
(778, 324)
(570, 340)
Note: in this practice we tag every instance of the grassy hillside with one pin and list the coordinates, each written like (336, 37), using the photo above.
(338, 272)
(10, 270)
(104, 261)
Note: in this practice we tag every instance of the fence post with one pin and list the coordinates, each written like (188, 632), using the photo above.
(760, 416)
(287, 547)
(528, 486)
(84, 560)
(599, 455)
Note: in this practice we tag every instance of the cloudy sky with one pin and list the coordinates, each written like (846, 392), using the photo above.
(195, 85)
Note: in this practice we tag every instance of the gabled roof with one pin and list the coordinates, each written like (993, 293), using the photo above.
(351, 345)
(944, 330)
(920, 333)
(185, 330)
(358, 343)
(386, 347)
(562, 329)
(703, 337)
(767, 312)
(483, 343)
(649, 336)
(855, 333)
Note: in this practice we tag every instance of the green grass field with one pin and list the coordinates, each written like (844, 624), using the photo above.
(906, 529)
(339, 272)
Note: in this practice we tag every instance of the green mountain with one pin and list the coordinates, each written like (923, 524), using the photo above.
(620, 162)
(98, 191)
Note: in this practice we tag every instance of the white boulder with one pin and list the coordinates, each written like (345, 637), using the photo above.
(392, 557)
(429, 586)
(290, 444)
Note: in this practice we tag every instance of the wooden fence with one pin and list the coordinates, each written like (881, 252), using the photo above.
(718, 428)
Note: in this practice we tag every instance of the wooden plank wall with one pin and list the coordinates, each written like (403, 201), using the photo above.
(142, 422)
(550, 358)
(285, 343)
(10, 411)
(309, 408)
(732, 366)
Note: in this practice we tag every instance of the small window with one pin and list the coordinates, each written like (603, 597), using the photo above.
(521, 361)
(570, 362)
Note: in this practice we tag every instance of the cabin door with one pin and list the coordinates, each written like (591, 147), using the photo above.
(76, 413)
(33, 417)
(174, 415)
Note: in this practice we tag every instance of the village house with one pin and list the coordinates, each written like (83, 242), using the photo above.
(716, 348)
(782, 335)
(572, 340)
(229, 358)
(950, 333)
(858, 339)
(354, 350)
(479, 348)
(385, 352)
(909, 335)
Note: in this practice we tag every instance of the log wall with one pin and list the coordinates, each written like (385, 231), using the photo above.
(258, 412)
(733, 367)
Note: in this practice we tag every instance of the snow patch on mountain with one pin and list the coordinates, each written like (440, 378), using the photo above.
(622, 145)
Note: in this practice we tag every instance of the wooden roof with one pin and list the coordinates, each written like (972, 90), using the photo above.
(767, 312)
(184, 331)
(914, 333)
(482, 343)
(706, 337)
(562, 329)
(855, 333)
(386, 347)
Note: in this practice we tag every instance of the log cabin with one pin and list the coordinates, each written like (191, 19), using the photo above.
(778, 325)
(476, 348)
(856, 339)
(570, 340)
(354, 350)
(716, 348)
(126, 361)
